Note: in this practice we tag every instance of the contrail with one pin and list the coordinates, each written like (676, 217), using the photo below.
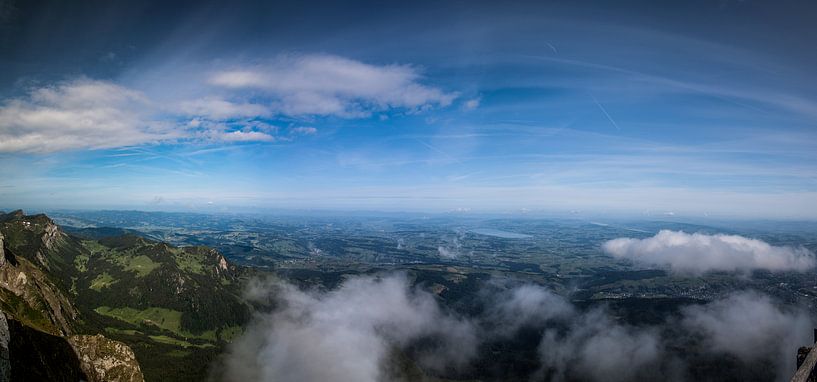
(553, 48)
(603, 110)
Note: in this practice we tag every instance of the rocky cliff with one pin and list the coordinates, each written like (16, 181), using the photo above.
(115, 298)
(38, 319)
(103, 359)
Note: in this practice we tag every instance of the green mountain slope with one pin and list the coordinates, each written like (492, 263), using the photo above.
(175, 307)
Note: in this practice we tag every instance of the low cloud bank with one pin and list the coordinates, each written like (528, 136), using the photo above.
(360, 331)
(525, 305)
(751, 327)
(699, 253)
(597, 348)
(346, 334)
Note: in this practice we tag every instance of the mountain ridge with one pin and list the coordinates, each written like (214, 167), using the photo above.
(119, 300)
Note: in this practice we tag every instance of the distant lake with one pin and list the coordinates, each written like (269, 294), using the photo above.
(500, 233)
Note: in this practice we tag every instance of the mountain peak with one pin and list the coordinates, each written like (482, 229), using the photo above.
(13, 215)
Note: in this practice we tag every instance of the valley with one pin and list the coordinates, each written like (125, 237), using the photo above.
(152, 281)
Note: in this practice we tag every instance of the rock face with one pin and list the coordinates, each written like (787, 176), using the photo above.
(2, 251)
(51, 235)
(29, 289)
(38, 315)
(63, 289)
(27, 354)
(50, 309)
(103, 359)
(5, 360)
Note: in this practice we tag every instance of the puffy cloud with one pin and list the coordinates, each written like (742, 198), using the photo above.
(352, 333)
(752, 327)
(597, 348)
(592, 345)
(345, 335)
(698, 253)
(79, 114)
(93, 114)
(589, 345)
(301, 85)
(526, 305)
(90, 114)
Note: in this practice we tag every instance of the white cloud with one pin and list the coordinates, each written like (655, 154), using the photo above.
(351, 334)
(698, 253)
(526, 305)
(750, 326)
(451, 251)
(453, 248)
(220, 109)
(447, 253)
(237, 79)
(575, 345)
(80, 114)
(331, 85)
(243, 136)
(593, 345)
(303, 130)
(471, 104)
(236, 131)
(344, 335)
(597, 348)
(93, 114)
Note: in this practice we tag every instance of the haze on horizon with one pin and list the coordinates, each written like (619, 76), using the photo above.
(699, 108)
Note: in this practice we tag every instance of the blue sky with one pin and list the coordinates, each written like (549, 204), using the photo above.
(698, 108)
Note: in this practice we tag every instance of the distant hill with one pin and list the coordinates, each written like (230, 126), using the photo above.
(174, 307)
(96, 233)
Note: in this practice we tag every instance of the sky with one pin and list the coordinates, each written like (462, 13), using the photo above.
(695, 108)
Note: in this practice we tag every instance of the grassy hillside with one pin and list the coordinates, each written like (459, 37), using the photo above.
(176, 307)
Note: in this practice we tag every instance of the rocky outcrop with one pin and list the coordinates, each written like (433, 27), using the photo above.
(21, 279)
(222, 263)
(25, 278)
(2, 251)
(27, 354)
(5, 360)
(35, 237)
(50, 284)
(103, 359)
(51, 235)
